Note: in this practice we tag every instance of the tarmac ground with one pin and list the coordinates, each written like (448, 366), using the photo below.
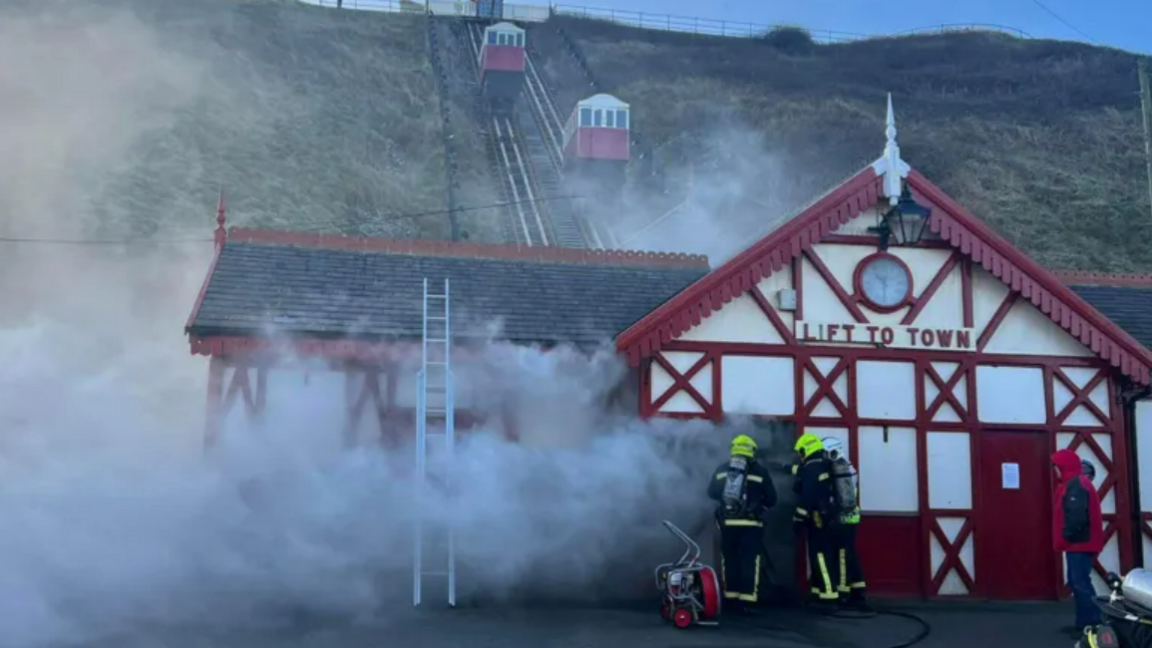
(952, 624)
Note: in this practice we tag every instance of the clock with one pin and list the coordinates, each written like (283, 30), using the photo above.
(883, 282)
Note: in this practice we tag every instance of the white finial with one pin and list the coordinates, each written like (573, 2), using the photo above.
(890, 166)
(890, 131)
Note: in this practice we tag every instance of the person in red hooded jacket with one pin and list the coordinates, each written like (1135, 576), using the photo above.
(1078, 531)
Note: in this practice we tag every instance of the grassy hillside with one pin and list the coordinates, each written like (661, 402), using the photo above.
(310, 117)
(1040, 138)
(134, 112)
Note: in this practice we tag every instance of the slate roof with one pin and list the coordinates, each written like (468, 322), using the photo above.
(258, 284)
(1129, 307)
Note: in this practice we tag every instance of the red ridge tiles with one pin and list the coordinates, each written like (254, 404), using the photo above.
(467, 250)
(1119, 280)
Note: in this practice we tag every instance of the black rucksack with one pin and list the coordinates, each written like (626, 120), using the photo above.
(1076, 515)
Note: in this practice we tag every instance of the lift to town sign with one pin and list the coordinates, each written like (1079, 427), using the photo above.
(895, 336)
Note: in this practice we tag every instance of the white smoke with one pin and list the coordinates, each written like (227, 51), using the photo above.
(722, 187)
(111, 525)
(111, 518)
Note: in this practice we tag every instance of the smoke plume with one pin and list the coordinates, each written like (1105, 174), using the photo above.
(112, 518)
(712, 191)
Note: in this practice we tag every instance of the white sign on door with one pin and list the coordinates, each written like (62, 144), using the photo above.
(1010, 475)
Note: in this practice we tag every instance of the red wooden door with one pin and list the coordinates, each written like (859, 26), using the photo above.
(1015, 540)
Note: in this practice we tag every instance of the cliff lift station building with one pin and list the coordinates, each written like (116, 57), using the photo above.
(885, 314)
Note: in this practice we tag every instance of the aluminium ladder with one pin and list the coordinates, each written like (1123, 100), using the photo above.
(434, 383)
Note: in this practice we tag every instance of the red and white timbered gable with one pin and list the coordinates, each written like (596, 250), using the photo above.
(951, 369)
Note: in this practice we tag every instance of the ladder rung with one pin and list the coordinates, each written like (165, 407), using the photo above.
(435, 340)
(437, 362)
(436, 296)
(433, 573)
(437, 318)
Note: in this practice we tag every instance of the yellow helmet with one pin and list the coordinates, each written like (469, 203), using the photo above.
(808, 444)
(744, 446)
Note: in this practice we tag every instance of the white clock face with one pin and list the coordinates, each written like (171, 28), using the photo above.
(885, 282)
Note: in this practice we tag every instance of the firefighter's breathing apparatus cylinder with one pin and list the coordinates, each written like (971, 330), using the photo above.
(843, 475)
(735, 497)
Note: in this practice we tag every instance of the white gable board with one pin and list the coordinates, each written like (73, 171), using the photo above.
(988, 293)
(820, 300)
(945, 308)
(841, 261)
(860, 225)
(740, 320)
(1027, 331)
(771, 286)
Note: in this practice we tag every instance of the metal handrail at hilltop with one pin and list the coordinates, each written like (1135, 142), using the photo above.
(647, 20)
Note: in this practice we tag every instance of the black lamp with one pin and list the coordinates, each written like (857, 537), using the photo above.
(905, 221)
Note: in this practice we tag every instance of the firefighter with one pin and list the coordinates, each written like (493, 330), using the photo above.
(846, 488)
(815, 514)
(744, 491)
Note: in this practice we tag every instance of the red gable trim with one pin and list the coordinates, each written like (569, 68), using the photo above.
(1079, 278)
(307, 348)
(1033, 282)
(203, 289)
(953, 223)
(361, 350)
(415, 247)
(746, 269)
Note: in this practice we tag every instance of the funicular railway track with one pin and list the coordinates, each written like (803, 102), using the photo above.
(544, 109)
(530, 224)
(539, 98)
(572, 229)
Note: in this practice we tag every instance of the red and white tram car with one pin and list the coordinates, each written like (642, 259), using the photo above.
(502, 63)
(598, 130)
(596, 141)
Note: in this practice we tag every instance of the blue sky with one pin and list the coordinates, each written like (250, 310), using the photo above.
(1126, 24)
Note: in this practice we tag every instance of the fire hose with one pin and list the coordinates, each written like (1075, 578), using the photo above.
(924, 628)
(921, 634)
